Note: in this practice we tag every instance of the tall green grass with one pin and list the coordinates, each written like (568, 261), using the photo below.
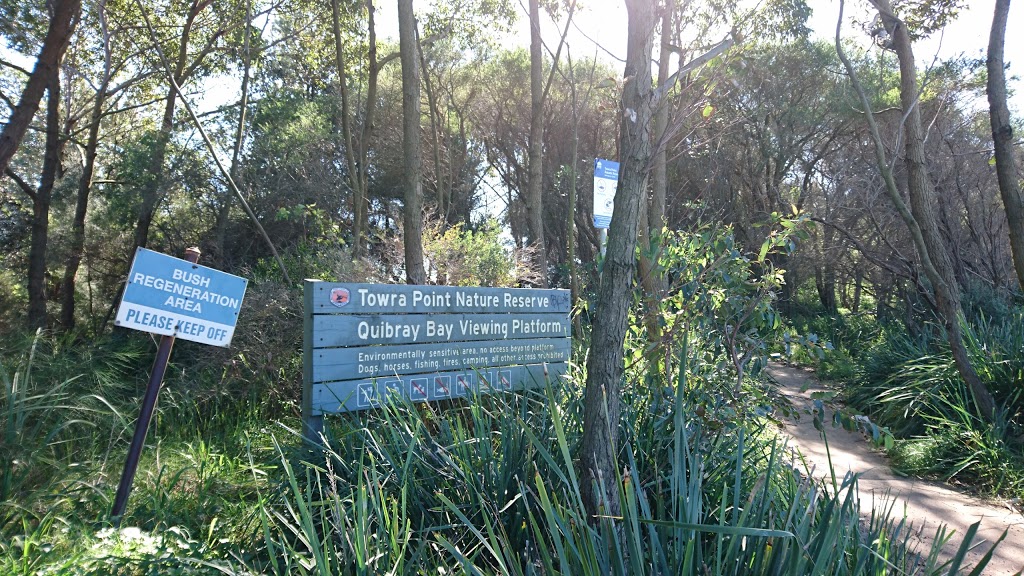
(490, 487)
(62, 446)
(486, 485)
(911, 385)
(45, 426)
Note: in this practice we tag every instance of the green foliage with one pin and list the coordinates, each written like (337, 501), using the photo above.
(911, 385)
(849, 338)
(725, 295)
(62, 448)
(925, 17)
(485, 485)
(490, 487)
(460, 257)
(46, 420)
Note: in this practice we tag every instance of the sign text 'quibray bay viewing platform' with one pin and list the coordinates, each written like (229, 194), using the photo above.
(363, 342)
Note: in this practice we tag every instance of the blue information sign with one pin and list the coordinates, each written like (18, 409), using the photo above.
(173, 297)
(606, 178)
(363, 342)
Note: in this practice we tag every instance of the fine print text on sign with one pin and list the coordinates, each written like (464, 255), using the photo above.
(173, 297)
(365, 342)
(606, 178)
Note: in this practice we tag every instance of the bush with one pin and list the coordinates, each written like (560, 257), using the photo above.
(911, 385)
(489, 487)
(849, 338)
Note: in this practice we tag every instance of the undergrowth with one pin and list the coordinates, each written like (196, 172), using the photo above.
(908, 383)
(484, 486)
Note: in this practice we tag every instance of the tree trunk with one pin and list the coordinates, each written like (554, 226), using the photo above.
(824, 272)
(41, 209)
(411, 145)
(922, 206)
(58, 36)
(652, 223)
(1002, 138)
(535, 184)
(224, 213)
(857, 287)
(659, 182)
(442, 188)
(353, 165)
(825, 283)
(363, 147)
(152, 188)
(77, 242)
(570, 259)
(604, 364)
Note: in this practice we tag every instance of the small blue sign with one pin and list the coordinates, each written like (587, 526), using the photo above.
(606, 179)
(174, 297)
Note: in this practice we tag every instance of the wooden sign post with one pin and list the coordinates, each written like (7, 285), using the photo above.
(364, 342)
(177, 299)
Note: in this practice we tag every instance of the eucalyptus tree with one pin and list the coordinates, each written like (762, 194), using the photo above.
(500, 121)
(293, 165)
(535, 156)
(41, 196)
(357, 128)
(786, 103)
(114, 78)
(539, 88)
(1002, 138)
(194, 48)
(920, 216)
(411, 145)
(455, 167)
(62, 19)
(602, 397)
(500, 115)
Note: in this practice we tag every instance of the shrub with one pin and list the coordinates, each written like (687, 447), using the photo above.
(489, 487)
(911, 385)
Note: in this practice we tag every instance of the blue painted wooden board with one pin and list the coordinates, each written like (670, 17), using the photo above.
(345, 298)
(371, 393)
(333, 364)
(363, 330)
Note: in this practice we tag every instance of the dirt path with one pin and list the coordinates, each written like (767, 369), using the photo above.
(928, 504)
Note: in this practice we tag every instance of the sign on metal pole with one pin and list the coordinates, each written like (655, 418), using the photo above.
(177, 299)
(606, 178)
(174, 297)
(364, 343)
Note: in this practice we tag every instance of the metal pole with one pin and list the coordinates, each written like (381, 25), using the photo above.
(603, 240)
(156, 378)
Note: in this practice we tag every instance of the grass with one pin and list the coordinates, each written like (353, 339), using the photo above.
(486, 486)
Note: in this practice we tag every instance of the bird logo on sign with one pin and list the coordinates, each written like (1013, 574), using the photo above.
(340, 297)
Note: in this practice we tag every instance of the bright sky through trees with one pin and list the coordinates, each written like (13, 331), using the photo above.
(601, 27)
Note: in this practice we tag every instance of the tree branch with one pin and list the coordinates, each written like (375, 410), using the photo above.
(697, 62)
(424, 43)
(209, 143)
(14, 66)
(28, 190)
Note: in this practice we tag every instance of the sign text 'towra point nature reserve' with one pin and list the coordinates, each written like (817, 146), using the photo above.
(365, 341)
(173, 297)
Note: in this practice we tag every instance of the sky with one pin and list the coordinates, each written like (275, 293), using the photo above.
(600, 28)
(605, 20)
